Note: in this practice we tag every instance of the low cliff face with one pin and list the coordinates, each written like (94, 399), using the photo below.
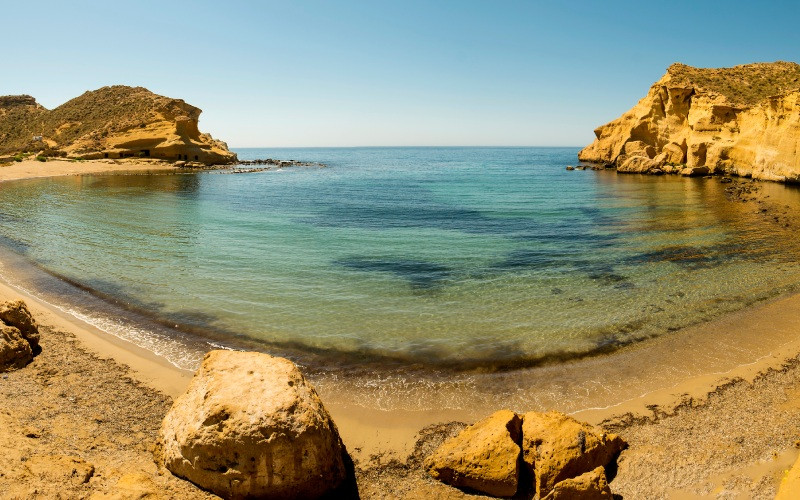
(743, 120)
(112, 122)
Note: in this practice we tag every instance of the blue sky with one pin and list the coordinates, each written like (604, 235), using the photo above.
(346, 73)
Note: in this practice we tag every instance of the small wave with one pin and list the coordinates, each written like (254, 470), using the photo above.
(174, 348)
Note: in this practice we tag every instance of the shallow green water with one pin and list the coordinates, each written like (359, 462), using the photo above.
(465, 257)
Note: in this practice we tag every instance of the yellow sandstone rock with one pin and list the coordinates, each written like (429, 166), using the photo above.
(250, 426)
(589, 486)
(16, 313)
(743, 120)
(19, 335)
(556, 447)
(484, 456)
(111, 122)
(790, 485)
(15, 351)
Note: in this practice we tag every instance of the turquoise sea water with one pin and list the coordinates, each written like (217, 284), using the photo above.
(465, 258)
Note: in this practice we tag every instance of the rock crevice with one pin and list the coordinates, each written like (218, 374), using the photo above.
(549, 454)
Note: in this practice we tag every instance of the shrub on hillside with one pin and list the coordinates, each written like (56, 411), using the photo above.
(53, 153)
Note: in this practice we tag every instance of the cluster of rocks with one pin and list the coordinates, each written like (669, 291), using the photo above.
(550, 454)
(585, 167)
(742, 191)
(247, 170)
(282, 163)
(269, 164)
(19, 336)
(189, 164)
(638, 157)
(251, 426)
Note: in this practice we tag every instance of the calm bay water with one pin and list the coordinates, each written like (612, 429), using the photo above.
(462, 257)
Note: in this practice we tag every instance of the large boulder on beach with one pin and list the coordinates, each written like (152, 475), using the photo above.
(19, 335)
(251, 426)
(556, 447)
(484, 456)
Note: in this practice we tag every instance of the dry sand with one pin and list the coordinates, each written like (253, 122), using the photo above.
(74, 425)
(31, 169)
(81, 419)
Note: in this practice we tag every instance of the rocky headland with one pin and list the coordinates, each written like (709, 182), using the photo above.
(112, 122)
(742, 121)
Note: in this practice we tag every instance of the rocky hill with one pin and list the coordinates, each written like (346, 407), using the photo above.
(743, 121)
(111, 122)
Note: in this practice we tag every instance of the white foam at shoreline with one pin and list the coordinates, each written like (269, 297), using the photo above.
(385, 392)
(178, 354)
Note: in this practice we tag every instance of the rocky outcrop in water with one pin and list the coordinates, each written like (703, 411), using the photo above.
(251, 426)
(742, 121)
(19, 336)
(564, 458)
(111, 122)
(282, 163)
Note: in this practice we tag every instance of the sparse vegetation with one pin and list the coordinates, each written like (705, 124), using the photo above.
(89, 117)
(41, 158)
(744, 85)
(53, 153)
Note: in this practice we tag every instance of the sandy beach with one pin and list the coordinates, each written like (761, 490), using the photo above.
(81, 419)
(33, 169)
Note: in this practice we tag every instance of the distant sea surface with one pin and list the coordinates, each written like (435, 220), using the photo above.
(464, 258)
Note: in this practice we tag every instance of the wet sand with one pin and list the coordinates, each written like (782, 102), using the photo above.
(710, 410)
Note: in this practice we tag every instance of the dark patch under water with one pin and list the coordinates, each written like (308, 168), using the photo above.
(703, 257)
(414, 206)
(424, 275)
(14, 244)
(509, 258)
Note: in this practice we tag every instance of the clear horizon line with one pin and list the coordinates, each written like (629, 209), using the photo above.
(403, 146)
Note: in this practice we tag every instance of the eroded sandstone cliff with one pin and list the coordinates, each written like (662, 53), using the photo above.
(743, 121)
(111, 122)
